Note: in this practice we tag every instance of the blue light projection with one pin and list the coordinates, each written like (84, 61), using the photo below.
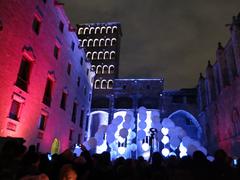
(130, 137)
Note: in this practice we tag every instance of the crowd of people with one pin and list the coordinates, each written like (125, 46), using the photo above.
(19, 162)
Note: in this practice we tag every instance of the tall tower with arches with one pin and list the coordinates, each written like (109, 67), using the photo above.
(101, 42)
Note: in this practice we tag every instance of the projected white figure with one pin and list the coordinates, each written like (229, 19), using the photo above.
(123, 139)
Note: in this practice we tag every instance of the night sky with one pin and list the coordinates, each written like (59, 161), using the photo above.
(172, 39)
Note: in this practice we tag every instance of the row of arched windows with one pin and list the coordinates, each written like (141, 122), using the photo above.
(97, 42)
(103, 84)
(105, 69)
(97, 30)
(100, 55)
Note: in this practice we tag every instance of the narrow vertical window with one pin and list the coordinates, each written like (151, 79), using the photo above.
(36, 25)
(69, 69)
(81, 61)
(72, 46)
(74, 112)
(24, 74)
(63, 101)
(42, 122)
(14, 110)
(86, 126)
(56, 51)
(78, 81)
(79, 139)
(47, 98)
(81, 118)
(61, 26)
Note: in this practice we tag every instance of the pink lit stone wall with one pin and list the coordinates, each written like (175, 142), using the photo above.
(17, 33)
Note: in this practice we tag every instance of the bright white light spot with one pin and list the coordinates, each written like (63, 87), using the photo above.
(182, 148)
(172, 154)
(210, 158)
(101, 148)
(165, 139)
(146, 155)
(165, 152)
(121, 150)
(164, 131)
(120, 139)
(145, 146)
(182, 154)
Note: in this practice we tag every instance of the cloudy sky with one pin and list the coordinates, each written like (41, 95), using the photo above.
(172, 39)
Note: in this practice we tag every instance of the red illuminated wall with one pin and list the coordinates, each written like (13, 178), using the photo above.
(219, 96)
(18, 40)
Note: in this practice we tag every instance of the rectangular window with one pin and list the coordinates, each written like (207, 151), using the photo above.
(47, 98)
(86, 126)
(78, 81)
(56, 51)
(24, 74)
(72, 46)
(81, 118)
(69, 69)
(79, 139)
(42, 122)
(14, 110)
(63, 101)
(61, 26)
(36, 25)
(70, 134)
(74, 112)
(81, 61)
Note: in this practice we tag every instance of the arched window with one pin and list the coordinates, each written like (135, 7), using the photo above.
(105, 69)
(107, 42)
(114, 29)
(94, 55)
(111, 69)
(84, 43)
(97, 30)
(103, 84)
(100, 55)
(113, 41)
(95, 43)
(97, 84)
(103, 29)
(112, 55)
(80, 43)
(90, 43)
(101, 42)
(99, 69)
(80, 31)
(106, 55)
(91, 31)
(86, 30)
(88, 55)
(110, 84)
(108, 30)
(93, 68)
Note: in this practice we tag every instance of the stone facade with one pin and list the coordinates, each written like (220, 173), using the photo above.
(46, 81)
(219, 96)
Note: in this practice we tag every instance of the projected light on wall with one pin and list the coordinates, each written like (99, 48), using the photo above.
(126, 136)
